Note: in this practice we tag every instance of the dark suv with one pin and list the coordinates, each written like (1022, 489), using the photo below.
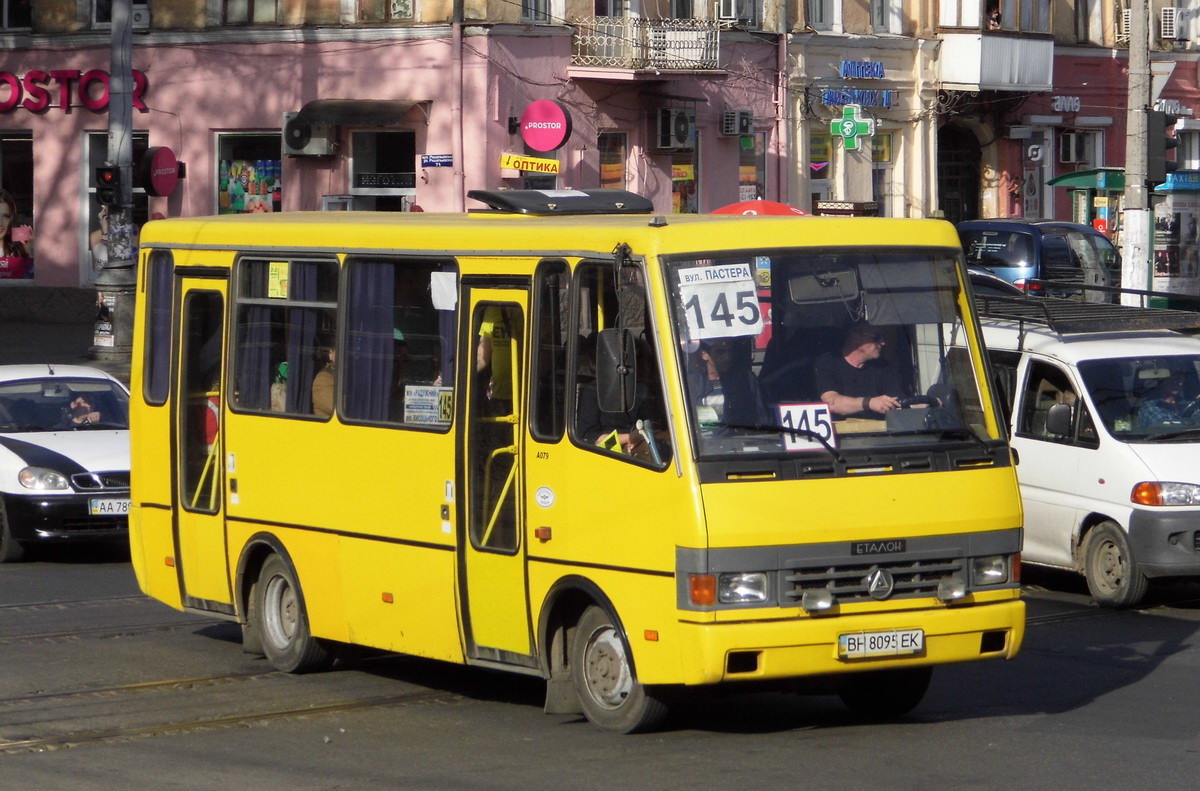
(1021, 250)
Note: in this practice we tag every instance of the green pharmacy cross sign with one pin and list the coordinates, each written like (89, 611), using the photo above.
(851, 126)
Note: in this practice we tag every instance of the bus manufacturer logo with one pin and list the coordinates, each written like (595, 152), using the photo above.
(880, 584)
(886, 547)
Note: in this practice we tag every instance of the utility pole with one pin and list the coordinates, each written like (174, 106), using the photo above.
(113, 337)
(1136, 236)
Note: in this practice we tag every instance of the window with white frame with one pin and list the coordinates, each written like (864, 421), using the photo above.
(885, 16)
(102, 13)
(1028, 16)
(680, 9)
(1188, 151)
(1089, 28)
(250, 12)
(535, 11)
(1081, 147)
(820, 13)
(387, 10)
(743, 13)
(16, 14)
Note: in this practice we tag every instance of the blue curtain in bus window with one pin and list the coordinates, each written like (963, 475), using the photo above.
(369, 340)
(254, 352)
(302, 331)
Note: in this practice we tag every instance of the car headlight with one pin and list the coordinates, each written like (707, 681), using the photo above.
(990, 570)
(742, 588)
(42, 478)
(1165, 493)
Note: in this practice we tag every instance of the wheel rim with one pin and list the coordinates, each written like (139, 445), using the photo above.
(280, 612)
(1110, 566)
(606, 669)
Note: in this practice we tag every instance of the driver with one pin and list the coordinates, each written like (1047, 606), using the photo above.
(1169, 405)
(79, 411)
(855, 382)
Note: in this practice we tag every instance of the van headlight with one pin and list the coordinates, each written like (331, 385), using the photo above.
(42, 478)
(1165, 493)
(990, 569)
(743, 588)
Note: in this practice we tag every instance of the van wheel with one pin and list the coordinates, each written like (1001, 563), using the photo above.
(10, 549)
(885, 694)
(608, 692)
(1112, 573)
(283, 623)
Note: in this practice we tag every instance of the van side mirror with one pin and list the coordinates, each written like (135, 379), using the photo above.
(1058, 420)
(616, 369)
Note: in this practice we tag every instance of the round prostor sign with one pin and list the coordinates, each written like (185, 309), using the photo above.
(545, 125)
(160, 171)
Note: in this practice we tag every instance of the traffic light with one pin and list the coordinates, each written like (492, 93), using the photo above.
(1158, 143)
(108, 182)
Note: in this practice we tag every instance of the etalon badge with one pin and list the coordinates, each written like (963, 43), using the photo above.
(880, 584)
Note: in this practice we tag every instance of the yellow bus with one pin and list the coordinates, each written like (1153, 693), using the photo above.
(566, 437)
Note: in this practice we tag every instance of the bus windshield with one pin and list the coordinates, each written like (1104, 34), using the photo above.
(791, 352)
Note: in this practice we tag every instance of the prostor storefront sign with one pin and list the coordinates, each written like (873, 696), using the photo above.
(61, 89)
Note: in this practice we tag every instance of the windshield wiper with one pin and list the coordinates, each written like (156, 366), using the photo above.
(19, 428)
(1173, 434)
(962, 433)
(803, 432)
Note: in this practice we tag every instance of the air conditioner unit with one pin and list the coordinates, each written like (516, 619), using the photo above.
(727, 10)
(676, 128)
(1169, 28)
(304, 139)
(1123, 31)
(736, 123)
(1071, 148)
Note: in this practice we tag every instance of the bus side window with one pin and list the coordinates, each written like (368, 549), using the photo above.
(550, 354)
(640, 433)
(286, 311)
(397, 363)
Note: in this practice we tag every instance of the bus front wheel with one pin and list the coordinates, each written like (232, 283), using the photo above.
(609, 693)
(283, 623)
(885, 694)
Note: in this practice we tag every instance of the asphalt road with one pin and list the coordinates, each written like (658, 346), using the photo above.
(103, 688)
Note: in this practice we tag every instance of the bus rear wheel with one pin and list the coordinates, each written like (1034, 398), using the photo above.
(609, 693)
(282, 622)
(885, 694)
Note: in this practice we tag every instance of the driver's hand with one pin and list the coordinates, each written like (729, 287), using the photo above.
(884, 403)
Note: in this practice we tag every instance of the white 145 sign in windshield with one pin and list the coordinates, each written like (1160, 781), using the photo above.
(720, 301)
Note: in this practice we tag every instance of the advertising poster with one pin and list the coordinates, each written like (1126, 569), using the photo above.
(16, 240)
(246, 186)
(1177, 243)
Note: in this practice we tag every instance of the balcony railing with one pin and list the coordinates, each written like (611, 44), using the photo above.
(637, 43)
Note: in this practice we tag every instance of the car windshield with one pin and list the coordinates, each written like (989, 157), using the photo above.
(998, 249)
(61, 403)
(1146, 399)
(764, 335)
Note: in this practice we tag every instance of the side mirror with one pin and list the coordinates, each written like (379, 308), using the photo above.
(1058, 420)
(616, 370)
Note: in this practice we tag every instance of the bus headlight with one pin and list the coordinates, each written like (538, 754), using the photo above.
(990, 570)
(1165, 493)
(41, 478)
(742, 588)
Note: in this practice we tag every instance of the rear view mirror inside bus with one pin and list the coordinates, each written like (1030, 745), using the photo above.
(616, 375)
(832, 286)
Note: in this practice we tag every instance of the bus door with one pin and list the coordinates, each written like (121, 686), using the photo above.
(196, 441)
(491, 484)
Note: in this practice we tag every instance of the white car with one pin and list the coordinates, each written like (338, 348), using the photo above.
(64, 456)
(1104, 416)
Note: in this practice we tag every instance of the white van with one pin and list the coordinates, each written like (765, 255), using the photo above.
(1104, 415)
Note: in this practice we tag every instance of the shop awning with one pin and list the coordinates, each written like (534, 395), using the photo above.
(360, 112)
(1108, 179)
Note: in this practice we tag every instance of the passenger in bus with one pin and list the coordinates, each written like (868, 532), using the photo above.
(855, 381)
(724, 382)
(322, 385)
(596, 426)
(494, 357)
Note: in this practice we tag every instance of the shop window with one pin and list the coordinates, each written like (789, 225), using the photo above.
(820, 155)
(95, 232)
(102, 14)
(886, 15)
(249, 173)
(614, 152)
(685, 181)
(387, 10)
(250, 12)
(383, 170)
(16, 186)
(397, 361)
(285, 336)
(882, 174)
(752, 166)
(17, 15)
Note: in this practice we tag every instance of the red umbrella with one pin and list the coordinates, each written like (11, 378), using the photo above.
(759, 207)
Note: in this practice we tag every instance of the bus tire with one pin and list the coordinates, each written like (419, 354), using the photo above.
(282, 622)
(1111, 570)
(10, 549)
(609, 693)
(885, 694)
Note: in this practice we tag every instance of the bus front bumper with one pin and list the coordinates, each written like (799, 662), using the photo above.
(781, 649)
